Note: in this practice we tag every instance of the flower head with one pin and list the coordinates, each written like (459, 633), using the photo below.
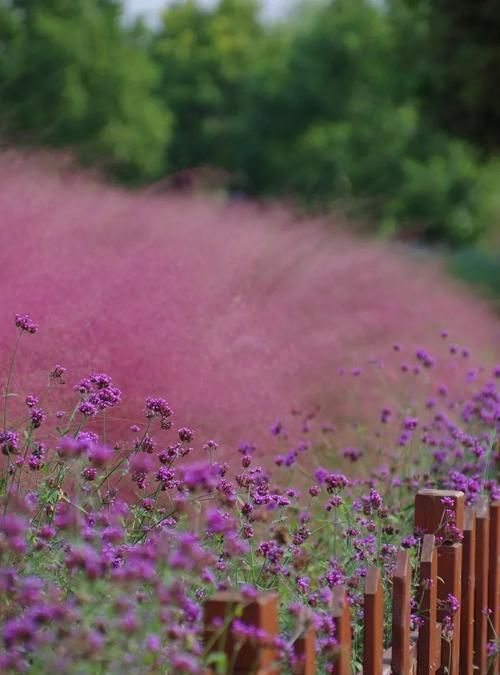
(25, 324)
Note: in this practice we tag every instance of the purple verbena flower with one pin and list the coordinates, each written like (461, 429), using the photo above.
(25, 324)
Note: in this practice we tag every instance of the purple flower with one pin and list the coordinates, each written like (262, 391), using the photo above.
(385, 415)
(35, 462)
(276, 428)
(12, 526)
(210, 445)
(371, 502)
(218, 522)
(87, 438)
(153, 642)
(19, 631)
(87, 409)
(185, 434)
(246, 449)
(37, 416)
(8, 442)
(424, 357)
(451, 605)
(353, 454)
(270, 551)
(166, 477)
(32, 401)
(335, 481)
(157, 407)
(302, 583)
(89, 473)
(200, 475)
(408, 541)
(25, 324)
(98, 393)
(58, 372)
(410, 423)
(71, 447)
(99, 455)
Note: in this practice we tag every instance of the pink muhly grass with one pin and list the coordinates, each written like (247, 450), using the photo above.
(232, 312)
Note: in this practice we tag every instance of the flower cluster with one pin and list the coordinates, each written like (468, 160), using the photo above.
(97, 393)
(26, 324)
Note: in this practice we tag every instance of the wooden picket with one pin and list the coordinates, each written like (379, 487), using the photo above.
(481, 587)
(304, 647)
(494, 581)
(468, 584)
(342, 621)
(260, 612)
(401, 610)
(453, 633)
(429, 633)
(373, 620)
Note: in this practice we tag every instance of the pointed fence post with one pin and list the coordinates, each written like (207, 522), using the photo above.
(429, 632)
(481, 589)
(304, 647)
(468, 587)
(373, 623)
(494, 581)
(401, 648)
(246, 657)
(342, 620)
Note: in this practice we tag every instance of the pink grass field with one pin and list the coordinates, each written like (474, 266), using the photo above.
(232, 312)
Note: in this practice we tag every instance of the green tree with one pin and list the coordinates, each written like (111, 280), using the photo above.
(458, 64)
(80, 80)
(345, 121)
(207, 57)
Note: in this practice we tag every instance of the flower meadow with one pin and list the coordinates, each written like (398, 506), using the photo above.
(108, 547)
(239, 311)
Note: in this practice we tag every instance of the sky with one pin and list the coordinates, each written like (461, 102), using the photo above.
(150, 8)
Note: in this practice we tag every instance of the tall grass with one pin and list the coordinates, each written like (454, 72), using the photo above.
(235, 312)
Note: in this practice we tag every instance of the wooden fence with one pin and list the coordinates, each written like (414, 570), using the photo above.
(446, 643)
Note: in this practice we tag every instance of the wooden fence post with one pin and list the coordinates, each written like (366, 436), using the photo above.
(304, 647)
(494, 581)
(401, 648)
(243, 657)
(468, 587)
(481, 589)
(429, 511)
(429, 632)
(342, 621)
(430, 519)
(450, 573)
(373, 623)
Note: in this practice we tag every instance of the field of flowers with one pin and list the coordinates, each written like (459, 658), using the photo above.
(108, 551)
(235, 312)
(160, 438)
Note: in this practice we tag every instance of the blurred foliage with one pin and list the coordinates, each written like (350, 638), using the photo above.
(461, 68)
(73, 75)
(387, 106)
(479, 268)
